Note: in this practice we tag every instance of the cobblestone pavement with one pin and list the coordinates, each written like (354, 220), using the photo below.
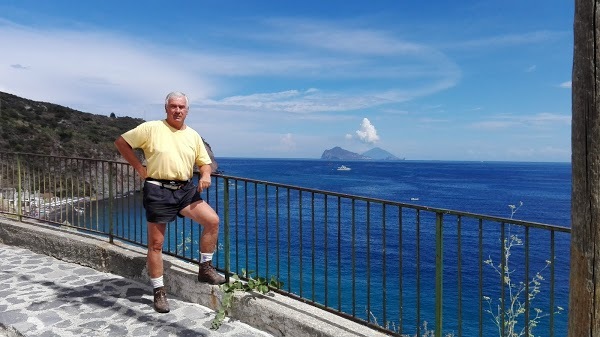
(43, 296)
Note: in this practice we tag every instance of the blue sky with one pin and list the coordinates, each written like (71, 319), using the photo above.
(425, 80)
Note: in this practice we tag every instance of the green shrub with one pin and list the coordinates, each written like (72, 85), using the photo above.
(259, 284)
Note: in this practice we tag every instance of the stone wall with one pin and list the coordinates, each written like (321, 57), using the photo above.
(274, 313)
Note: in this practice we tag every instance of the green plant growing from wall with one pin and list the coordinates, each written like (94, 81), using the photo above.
(259, 284)
(508, 319)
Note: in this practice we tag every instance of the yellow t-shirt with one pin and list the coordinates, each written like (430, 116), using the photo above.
(170, 153)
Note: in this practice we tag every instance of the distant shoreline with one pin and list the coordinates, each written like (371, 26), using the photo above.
(392, 161)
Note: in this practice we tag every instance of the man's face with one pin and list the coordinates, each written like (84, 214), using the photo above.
(176, 111)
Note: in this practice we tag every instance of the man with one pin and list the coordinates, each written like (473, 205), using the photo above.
(171, 149)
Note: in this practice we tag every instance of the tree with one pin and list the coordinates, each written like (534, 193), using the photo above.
(584, 287)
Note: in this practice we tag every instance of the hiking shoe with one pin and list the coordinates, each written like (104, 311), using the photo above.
(160, 300)
(207, 273)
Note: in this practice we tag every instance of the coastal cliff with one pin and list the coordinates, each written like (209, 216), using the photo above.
(45, 128)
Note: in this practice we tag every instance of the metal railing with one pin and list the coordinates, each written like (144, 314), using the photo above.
(388, 265)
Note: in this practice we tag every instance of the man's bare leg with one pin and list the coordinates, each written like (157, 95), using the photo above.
(156, 238)
(202, 213)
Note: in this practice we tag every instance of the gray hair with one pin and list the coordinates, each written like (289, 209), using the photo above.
(176, 94)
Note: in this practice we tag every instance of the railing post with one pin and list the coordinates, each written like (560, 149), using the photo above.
(19, 210)
(111, 171)
(226, 228)
(439, 272)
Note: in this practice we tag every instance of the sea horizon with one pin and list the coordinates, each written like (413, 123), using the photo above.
(396, 160)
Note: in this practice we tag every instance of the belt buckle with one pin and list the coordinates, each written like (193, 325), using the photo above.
(173, 185)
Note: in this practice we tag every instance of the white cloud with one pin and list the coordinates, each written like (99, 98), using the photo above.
(367, 132)
(287, 142)
(554, 153)
(395, 111)
(432, 120)
(510, 40)
(531, 69)
(509, 121)
(90, 68)
(490, 125)
(18, 66)
(321, 35)
(108, 71)
(566, 85)
(306, 102)
(546, 117)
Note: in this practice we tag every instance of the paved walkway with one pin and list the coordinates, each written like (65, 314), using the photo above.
(43, 296)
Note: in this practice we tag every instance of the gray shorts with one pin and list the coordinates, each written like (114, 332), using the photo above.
(163, 204)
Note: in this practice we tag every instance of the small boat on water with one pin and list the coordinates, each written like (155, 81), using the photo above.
(343, 168)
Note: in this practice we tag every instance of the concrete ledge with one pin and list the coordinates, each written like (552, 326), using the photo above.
(273, 313)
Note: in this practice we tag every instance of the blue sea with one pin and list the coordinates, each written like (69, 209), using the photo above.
(542, 189)
(477, 187)
(486, 188)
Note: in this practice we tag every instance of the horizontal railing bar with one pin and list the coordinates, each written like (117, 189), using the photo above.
(61, 157)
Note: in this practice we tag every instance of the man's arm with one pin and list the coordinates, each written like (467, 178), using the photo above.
(127, 152)
(205, 180)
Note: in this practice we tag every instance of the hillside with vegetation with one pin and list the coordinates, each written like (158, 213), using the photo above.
(45, 128)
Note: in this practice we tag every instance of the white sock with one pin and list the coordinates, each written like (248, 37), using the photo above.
(205, 257)
(157, 282)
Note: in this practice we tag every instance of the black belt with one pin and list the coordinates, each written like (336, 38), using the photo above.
(170, 184)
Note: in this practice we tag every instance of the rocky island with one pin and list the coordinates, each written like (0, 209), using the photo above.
(376, 153)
